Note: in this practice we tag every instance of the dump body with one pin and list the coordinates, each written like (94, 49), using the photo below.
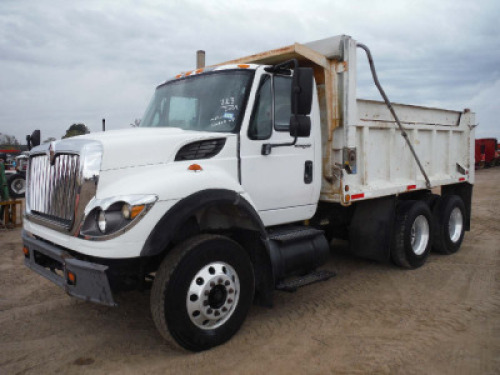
(384, 164)
(364, 154)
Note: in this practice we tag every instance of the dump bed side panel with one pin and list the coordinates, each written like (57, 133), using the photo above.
(383, 163)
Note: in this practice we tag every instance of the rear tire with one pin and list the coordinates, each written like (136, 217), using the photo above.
(202, 292)
(412, 234)
(449, 218)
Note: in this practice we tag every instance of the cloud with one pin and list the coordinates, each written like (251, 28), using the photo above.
(65, 62)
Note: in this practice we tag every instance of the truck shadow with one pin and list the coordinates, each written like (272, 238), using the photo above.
(129, 326)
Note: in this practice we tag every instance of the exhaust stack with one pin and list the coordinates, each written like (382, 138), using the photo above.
(200, 59)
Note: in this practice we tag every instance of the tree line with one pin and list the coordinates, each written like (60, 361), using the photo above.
(9, 142)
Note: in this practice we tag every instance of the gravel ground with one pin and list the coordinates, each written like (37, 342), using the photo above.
(443, 318)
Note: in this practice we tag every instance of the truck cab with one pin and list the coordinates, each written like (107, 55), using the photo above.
(248, 108)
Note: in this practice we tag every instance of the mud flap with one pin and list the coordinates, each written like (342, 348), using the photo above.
(371, 228)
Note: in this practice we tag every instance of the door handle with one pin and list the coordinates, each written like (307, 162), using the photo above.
(308, 172)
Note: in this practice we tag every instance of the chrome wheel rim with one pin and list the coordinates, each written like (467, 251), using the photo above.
(18, 186)
(455, 224)
(213, 295)
(419, 235)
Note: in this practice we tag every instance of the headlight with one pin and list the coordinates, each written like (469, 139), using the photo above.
(101, 221)
(111, 217)
(126, 211)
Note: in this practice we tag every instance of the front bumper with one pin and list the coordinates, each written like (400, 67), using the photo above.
(91, 282)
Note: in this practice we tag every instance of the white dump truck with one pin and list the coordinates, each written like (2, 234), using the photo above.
(236, 180)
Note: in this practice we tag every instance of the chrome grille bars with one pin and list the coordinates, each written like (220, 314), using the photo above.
(62, 179)
(52, 188)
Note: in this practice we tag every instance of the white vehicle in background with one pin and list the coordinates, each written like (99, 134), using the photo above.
(236, 179)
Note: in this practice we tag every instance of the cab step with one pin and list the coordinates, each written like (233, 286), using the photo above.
(291, 285)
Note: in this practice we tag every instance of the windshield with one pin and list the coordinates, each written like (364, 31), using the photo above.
(206, 102)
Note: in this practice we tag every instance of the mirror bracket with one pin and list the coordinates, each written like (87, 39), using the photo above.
(268, 147)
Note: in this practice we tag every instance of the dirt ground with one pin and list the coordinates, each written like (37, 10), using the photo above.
(443, 318)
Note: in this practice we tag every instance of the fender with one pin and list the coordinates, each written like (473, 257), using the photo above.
(171, 222)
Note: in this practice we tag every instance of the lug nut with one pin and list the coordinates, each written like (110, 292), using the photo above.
(212, 284)
(224, 309)
(230, 291)
(229, 300)
(209, 311)
(227, 283)
(217, 313)
(220, 281)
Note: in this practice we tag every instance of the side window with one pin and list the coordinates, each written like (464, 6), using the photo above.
(159, 114)
(282, 103)
(261, 123)
(182, 111)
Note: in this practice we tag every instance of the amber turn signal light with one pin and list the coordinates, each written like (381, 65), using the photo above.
(71, 278)
(136, 210)
(26, 251)
(195, 168)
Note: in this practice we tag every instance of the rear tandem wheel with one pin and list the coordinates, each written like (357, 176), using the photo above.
(412, 234)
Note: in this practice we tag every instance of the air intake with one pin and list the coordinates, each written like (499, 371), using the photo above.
(201, 149)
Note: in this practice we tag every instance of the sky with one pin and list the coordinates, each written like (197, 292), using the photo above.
(65, 62)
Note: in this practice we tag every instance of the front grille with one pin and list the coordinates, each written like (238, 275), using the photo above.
(52, 189)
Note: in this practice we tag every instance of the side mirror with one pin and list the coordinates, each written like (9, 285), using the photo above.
(302, 91)
(33, 140)
(300, 126)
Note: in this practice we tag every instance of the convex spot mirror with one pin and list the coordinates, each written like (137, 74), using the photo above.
(300, 126)
(302, 91)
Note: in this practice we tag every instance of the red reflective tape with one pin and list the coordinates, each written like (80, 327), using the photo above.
(357, 196)
(411, 187)
(461, 179)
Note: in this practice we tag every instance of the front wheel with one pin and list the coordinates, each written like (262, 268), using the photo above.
(202, 292)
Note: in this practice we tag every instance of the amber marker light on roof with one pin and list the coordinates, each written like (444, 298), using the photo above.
(244, 66)
(195, 168)
(198, 71)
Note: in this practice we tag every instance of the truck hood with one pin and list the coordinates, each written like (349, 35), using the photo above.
(145, 146)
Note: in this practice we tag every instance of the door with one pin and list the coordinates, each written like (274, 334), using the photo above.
(283, 180)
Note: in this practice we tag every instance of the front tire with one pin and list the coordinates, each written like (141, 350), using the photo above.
(202, 292)
(412, 234)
